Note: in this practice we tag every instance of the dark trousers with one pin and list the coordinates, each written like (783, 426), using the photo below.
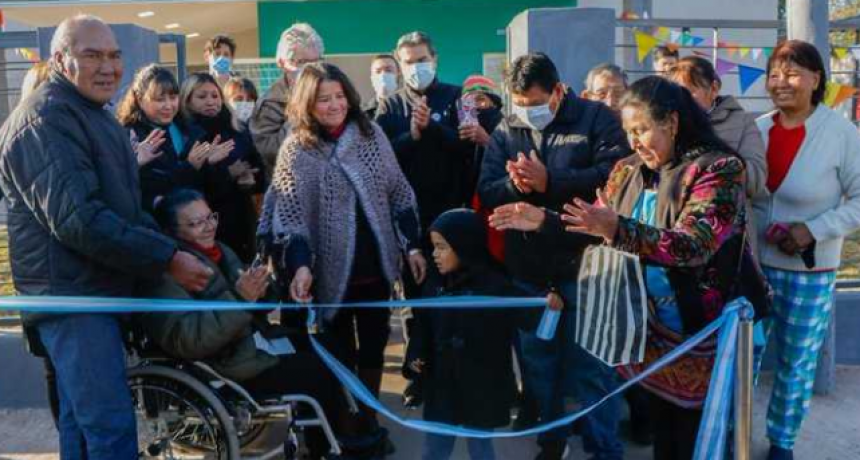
(675, 429)
(359, 335)
(96, 420)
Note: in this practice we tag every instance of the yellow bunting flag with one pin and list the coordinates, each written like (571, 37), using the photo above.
(836, 94)
(663, 33)
(841, 52)
(744, 51)
(644, 44)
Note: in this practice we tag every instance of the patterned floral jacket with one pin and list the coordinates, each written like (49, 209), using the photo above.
(700, 216)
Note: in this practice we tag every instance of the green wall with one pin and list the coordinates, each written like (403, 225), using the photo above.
(462, 30)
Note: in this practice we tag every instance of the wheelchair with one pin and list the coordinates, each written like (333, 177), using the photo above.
(186, 410)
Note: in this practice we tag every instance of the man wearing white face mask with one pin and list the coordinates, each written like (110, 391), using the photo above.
(219, 53)
(421, 122)
(554, 148)
(299, 46)
(385, 78)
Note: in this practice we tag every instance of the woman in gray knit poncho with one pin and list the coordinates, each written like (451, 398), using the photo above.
(342, 215)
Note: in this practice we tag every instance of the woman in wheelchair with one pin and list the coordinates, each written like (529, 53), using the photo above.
(230, 341)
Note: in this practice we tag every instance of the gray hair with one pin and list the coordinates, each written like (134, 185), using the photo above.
(299, 35)
(416, 39)
(64, 37)
(610, 70)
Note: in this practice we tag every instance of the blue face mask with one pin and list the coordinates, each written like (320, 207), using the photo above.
(536, 117)
(220, 65)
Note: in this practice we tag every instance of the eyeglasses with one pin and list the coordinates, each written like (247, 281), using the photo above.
(211, 219)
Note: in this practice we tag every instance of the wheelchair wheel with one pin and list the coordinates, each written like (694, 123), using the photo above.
(178, 417)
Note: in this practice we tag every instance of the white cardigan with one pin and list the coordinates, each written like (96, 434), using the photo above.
(822, 189)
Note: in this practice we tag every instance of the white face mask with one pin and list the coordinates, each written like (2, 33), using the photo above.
(384, 84)
(419, 76)
(243, 110)
(536, 117)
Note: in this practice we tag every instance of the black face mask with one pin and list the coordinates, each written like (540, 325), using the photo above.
(490, 118)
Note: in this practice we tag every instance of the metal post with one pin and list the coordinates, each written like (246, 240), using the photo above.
(743, 390)
(716, 44)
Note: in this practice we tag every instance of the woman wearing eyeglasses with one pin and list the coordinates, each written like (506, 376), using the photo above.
(226, 339)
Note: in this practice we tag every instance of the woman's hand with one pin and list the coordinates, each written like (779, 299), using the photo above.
(520, 216)
(252, 284)
(300, 287)
(590, 219)
(220, 150)
(199, 152)
(150, 148)
(796, 240)
(475, 133)
(418, 266)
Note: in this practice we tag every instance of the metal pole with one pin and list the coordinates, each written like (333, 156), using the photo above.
(716, 43)
(743, 390)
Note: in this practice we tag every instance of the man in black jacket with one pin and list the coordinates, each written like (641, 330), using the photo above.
(421, 122)
(76, 228)
(555, 147)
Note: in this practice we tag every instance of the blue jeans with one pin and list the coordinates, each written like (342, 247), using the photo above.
(560, 368)
(440, 447)
(97, 419)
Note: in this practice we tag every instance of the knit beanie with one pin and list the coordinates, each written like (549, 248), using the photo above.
(465, 232)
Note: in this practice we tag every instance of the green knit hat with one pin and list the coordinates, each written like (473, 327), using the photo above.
(480, 83)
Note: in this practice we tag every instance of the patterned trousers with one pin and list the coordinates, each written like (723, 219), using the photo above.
(796, 329)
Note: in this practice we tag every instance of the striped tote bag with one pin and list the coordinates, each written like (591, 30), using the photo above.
(612, 306)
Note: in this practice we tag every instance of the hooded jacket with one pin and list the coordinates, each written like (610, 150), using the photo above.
(468, 375)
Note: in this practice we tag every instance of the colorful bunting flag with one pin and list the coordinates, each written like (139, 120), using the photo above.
(27, 54)
(767, 52)
(748, 76)
(663, 33)
(697, 40)
(731, 48)
(836, 94)
(644, 44)
(840, 52)
(723, 67)
(756, 53)
(744, 51)
(856, 53)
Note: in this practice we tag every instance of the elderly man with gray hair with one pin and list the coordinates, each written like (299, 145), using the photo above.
(77, 228)
(606, 83)
(299, 46)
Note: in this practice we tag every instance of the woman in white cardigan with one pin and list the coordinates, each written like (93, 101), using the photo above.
(812, 200)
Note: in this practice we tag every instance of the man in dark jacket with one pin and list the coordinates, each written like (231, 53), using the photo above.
(555, 147)
(76, 228)
(421, 122)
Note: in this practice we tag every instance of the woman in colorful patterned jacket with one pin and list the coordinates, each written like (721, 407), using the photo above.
(811, 202)
(679, 205)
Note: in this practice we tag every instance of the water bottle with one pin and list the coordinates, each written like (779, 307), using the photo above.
(548, 324)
